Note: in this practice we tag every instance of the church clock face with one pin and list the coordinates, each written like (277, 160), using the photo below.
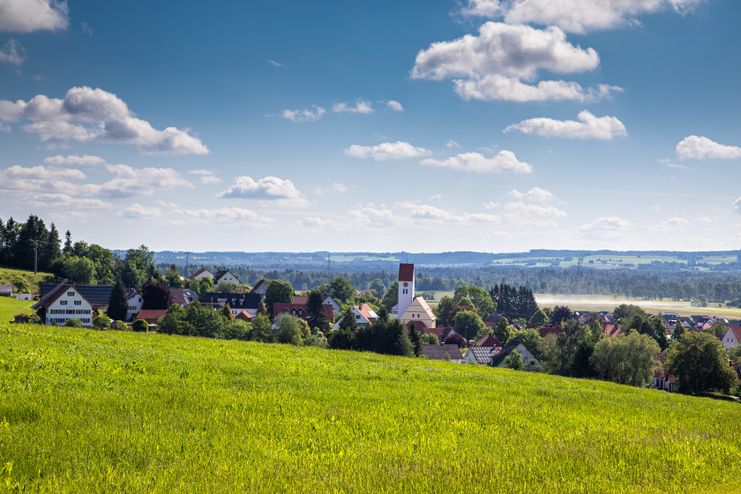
(406, 284)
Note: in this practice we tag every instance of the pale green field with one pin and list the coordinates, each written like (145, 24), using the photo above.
(8, 276)
(9, 307)
(109, 411)
(605, 302)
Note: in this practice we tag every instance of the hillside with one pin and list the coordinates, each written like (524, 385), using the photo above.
(9, 307)
(84, 411)
(10, 276)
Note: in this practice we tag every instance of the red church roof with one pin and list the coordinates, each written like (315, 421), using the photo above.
(406, 272)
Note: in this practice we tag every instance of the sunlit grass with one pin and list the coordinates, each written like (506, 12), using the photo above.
(88, 411)
(9, 307)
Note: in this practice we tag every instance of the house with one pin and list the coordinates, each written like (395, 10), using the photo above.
(335, 306)
(363, 313)
(182, 296)
(554, 329)
(202, 273)
(151, 316)
(451, 353)
(6, 290)
(238, 302)
(243, 316)
(225, 276)
(261, 287)
(299, 309)
(23, 296)
(134, 303)
(64, 301)
(419, 315)
(528, 359)
(732, 338)
(610, 329)
(480, 354)
(489, 340)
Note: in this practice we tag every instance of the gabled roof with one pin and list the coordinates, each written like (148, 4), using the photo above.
(244, 315)
(182, 296)
(499, 357)
(420, 305)
(406, 272)
(200, 271)
(259, 285)
(482, 354)
(235, 300)
(96, 295)
(130, 293)
(550, 329)
(219, 274)
(736, 330)
(151, 315)
(367, 312)
(299, 310)
(442, 352)
(488, 340)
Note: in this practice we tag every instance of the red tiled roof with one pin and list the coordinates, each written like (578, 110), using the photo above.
(244, 315)
(488, 340)
(406, 272)
(300, 299)
(202, 270)
(736, 332)
(367, 312)
(151, 315)
(299, 310)
(550, 329)
(610, 329)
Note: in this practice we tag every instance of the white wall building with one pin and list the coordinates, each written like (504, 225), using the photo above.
(69, 304)
(732, 338)
(134, 303)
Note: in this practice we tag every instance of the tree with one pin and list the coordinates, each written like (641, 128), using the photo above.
(140, 325)
(700, 364)
(49, 250)
(560, 315)
(654, 327)
(718, 329)
(391, 297)
(204, 321)
(317, 317)
(416, 340)
(503, 330)
(173, 278)
(118, 307)
(287, 330)
(679, 330)
(102, 322)
(156, 296)
(77, 269)
(262, 309)
(514, 361)
(538, 319)
(261, 329)
(530, 338)
(445, 311)
(226, 311)
(67, 243)
(574, 348)
(341, 289)
(481, 299)
(278, 292)
(627, 359)
(378, 287)
(469, 324)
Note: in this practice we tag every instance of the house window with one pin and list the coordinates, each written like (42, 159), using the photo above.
(62, 302)
(70, 294)
(78, 302)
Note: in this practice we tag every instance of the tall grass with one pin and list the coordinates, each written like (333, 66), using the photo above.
(88, 411)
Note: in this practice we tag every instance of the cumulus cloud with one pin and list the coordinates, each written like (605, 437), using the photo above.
(434, 214)
(264, 189)
(394, 105)
(173, 214)
(76, 160)
(737, 205)
(387, 151)
(502, 62)
(335, 187)
(576, 16)
(318, 222)
(87, 114)
(535, 194)
(605, 228)
(361, 106)
(13, 53)
(24, 16)
(587, 126)
(304, 115)
(206, 177)
(523, 213)
(372, 215)
(504, 161)
(674, 223)
(701, 148)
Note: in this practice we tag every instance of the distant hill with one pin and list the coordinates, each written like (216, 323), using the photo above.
(117, 411)
(386, 261)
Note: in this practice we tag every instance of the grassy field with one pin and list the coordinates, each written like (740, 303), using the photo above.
(10, 276)
(606, 302)
(88, 411)
(9, 307)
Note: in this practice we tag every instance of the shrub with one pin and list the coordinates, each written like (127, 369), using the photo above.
(140, 326)
(318, 339)
(120, 326)
(430, 339)
(288, 330)
(27, 319)
(73, 323)
(235, 330)
(102, 322)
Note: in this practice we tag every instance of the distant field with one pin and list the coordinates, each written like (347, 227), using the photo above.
(605, 302)
(9, 307)
(9, 276)
(92, 411)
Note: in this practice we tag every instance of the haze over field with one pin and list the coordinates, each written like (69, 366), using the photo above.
(485, 125)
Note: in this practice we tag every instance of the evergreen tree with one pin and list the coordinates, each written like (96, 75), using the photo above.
(67, 243)
(317, 317)
(49, 249)
(227, 312)
(117, 305)
(262, 309)
(156, 296)
(503, 330)
(416, 340)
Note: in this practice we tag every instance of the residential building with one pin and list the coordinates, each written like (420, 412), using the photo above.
(528, 359)
(225, 276)
(151, 316)
(134, 303)
(202, 273)
(261, 287)
(363, 313)
(6, 290)
(480, 354)
(58, 303)
(182, 296)
(335, 306)
(450, 353)
(732, 338)
(299, 309)
(238, 302)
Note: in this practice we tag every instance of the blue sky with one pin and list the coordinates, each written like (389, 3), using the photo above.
(490, 125)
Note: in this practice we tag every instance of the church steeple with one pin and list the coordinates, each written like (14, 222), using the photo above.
(406, 288)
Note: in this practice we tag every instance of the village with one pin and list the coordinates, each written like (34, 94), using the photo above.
(455, 330)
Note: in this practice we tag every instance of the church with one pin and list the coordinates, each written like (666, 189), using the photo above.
(411, 310)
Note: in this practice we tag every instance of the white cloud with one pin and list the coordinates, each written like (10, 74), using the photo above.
(394, 105)
(605, 228)
(491, 205)
(701, 148)
(13, 53)
(535, 194)
(304, 115)
(361, 106)
(577, 16)
(264, 189)
(434, 214)
(335, 187)
(173, 214)
(502, 62)
(87, 114)
(387, 151)
(504, 161)
(523, 213)
(275, 63)
(77, 160)
(372, 215)
(674, 223)
(587, 126)
(206, 177)
(737, 205)
(451, 144)
(318, 222)
(24, 16)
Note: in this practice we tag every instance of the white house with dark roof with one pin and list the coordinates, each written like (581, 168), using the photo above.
(65, 301)
(134, 303)
(225, 276)
(732, 338)
(202, 273)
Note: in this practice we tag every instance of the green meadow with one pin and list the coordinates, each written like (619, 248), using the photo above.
(9, 307)
(9, 276)
(91, 411)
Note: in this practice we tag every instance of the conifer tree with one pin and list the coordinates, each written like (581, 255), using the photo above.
(117, 305)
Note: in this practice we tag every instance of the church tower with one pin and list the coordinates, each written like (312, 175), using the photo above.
(406, 288)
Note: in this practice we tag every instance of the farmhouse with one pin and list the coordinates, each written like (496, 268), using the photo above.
(58, 303)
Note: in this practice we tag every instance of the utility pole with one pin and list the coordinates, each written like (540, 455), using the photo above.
(186, 264)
